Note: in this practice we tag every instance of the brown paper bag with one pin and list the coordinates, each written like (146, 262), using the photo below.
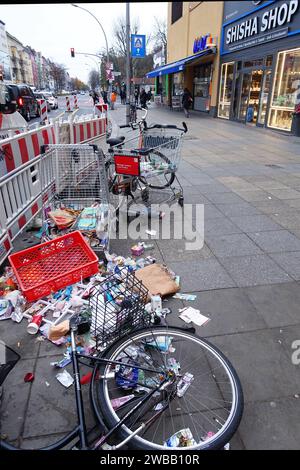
(56, 332)
(157, 280)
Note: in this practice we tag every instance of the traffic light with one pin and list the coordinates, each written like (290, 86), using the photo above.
(72, 52)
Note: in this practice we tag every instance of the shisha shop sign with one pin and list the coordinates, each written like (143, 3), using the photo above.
(263, 23)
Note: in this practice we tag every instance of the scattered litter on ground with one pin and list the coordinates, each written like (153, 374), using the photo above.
(182, 438)
(47, 384)
(190, 314)
(65, 378)
(185, 296)
(151, 232)
(29, 377)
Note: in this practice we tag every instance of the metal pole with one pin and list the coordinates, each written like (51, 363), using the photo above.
(127, 63)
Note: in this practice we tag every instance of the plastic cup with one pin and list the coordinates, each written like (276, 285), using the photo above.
(35, 324)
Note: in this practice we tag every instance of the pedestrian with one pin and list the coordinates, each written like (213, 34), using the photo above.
(123, 96)
(113, 98)
(136, 96)
(104, 96)
(143, 99)
(186, 102)
(95, 97)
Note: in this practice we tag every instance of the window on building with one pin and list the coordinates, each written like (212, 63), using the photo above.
(225, 90)
(286, 90)
(176, 11)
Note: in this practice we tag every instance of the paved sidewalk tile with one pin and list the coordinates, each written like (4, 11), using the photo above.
(232, 245)
(202, 275)
(278, 304)
(290, 262)
(268, 425)
(261, 362)
(255, 223)
(276, 241)
(254, 270)
(232, 210)
(220, 226)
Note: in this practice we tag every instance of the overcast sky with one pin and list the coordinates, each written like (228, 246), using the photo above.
(54, 28)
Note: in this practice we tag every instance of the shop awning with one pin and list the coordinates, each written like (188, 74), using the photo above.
(180, 64)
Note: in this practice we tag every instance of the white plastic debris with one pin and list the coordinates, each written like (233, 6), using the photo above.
(65, 378)
(190, 314)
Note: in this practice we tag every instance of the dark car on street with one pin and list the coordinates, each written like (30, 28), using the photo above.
(27, 104)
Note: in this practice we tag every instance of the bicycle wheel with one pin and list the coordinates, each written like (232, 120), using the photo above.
(204, 416)
(165, 177)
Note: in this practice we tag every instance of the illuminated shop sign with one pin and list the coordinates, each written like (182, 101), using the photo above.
(203, 42)
(273, 22)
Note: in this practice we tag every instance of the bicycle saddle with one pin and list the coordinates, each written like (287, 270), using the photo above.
(115, 140)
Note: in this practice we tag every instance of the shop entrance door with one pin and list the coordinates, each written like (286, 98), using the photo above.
(251, 84)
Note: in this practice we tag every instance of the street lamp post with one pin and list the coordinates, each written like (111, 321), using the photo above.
(127, 64)
(107, 53)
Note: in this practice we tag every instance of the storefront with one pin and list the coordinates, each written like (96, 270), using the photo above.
(260, 63)
(194, 73)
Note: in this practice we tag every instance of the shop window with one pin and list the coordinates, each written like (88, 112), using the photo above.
(225, 90)
(269, 60)
(253, 63)
(176, 11)
(286, 90)
(178, 84)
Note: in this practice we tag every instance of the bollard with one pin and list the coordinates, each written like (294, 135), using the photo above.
(68, 104)
(43, 111)
(75, 102)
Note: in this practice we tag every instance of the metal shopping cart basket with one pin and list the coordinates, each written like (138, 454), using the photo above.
(81, 185)
(117, 307)
(149, 163)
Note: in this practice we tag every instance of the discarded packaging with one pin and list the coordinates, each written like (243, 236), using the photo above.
(184, 296)
(65, 378)
(151, 232)
(34, 325)
(156, 303)
(184, 384)
(182, 438)
(56, 332)
(117, 402)
(190, 314)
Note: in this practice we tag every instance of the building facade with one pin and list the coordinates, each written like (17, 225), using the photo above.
(192, 55)
(5, 67)
(260, 63)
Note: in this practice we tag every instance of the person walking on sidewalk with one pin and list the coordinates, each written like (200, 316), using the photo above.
(113, 98)
(143, 99)
(186, 102)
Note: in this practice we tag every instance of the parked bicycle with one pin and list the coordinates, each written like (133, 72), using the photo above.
(154, 388)
(147, 161)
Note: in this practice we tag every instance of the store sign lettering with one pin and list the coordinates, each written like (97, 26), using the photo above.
(200, 43)
(271, 19)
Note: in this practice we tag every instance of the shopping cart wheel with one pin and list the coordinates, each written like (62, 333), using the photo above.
(180, 201)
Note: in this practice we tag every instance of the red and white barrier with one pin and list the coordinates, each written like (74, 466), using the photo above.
(75, 102)
(20, 149)
(5, 246)
(82, 131)
(101, 107)
(43, 110)
(68, 104)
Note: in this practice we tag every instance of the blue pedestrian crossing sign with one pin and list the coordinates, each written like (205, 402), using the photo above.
(138, 45)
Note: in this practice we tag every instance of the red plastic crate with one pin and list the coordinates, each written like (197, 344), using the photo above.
(127, 165)
(50, 266)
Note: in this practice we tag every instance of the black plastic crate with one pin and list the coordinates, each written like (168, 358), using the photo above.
(118, 307)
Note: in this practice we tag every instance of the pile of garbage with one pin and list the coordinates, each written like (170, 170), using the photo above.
(92, 222)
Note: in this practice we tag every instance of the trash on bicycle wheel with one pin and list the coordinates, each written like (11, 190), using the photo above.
(81, 186)
(118, 307)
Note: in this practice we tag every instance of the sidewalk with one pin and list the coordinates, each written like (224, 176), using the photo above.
(246, 278)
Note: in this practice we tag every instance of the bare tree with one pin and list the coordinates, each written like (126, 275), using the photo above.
(119, 32)
(94, 79)
(159, 35)
(58, 73)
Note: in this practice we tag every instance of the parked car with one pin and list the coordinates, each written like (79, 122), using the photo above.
(41, 96)
(27, 104)
(82, 92)
(51, 99)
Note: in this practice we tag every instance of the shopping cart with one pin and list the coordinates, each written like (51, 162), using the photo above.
(147, 164)
(81, 185)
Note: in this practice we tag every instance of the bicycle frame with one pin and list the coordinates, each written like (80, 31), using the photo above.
(80, 430)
